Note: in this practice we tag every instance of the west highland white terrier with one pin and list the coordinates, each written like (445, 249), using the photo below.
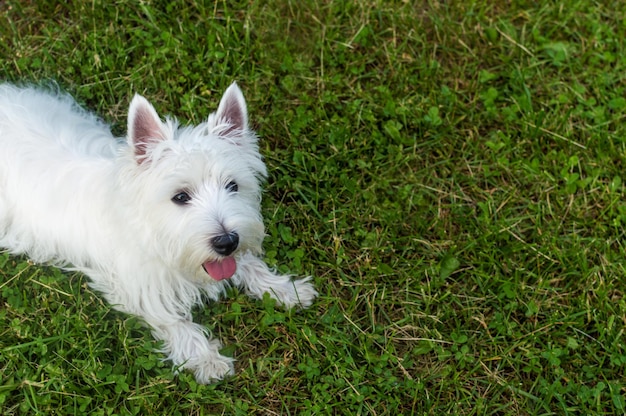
(157, 221)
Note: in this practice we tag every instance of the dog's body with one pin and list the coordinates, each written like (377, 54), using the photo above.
(156, 221)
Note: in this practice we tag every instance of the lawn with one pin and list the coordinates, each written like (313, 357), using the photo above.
(450, 172)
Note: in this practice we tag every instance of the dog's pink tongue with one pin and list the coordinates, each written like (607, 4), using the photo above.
(221, 269)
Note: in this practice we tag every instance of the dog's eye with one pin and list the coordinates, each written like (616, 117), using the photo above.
(232, 186)
(181, 198)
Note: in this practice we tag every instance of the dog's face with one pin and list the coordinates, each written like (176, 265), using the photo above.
(195, 191)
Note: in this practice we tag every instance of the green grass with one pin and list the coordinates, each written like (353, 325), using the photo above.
(450, 172)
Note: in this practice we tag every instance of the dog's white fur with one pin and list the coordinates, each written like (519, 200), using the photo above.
(73, 195)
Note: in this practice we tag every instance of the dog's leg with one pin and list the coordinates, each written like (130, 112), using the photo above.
(189, 346)
(256, 279)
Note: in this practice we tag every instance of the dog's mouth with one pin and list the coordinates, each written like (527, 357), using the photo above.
(221, 269)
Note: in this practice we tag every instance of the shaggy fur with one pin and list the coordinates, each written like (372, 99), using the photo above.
(157, 221)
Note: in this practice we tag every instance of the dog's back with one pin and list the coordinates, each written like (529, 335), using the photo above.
(54, 158)
(40, 120)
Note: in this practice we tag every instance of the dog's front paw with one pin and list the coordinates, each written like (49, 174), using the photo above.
(190, 349)
(258, 279)
(296, 293)
(212, 368)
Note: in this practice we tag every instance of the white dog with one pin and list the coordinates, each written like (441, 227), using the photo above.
(157, 221)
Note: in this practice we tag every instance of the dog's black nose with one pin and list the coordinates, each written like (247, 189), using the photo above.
(225, 244)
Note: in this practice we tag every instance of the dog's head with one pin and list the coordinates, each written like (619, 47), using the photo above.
(194, 192)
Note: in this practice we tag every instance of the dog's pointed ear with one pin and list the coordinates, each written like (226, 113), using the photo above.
(144, 127)
(232, 113)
